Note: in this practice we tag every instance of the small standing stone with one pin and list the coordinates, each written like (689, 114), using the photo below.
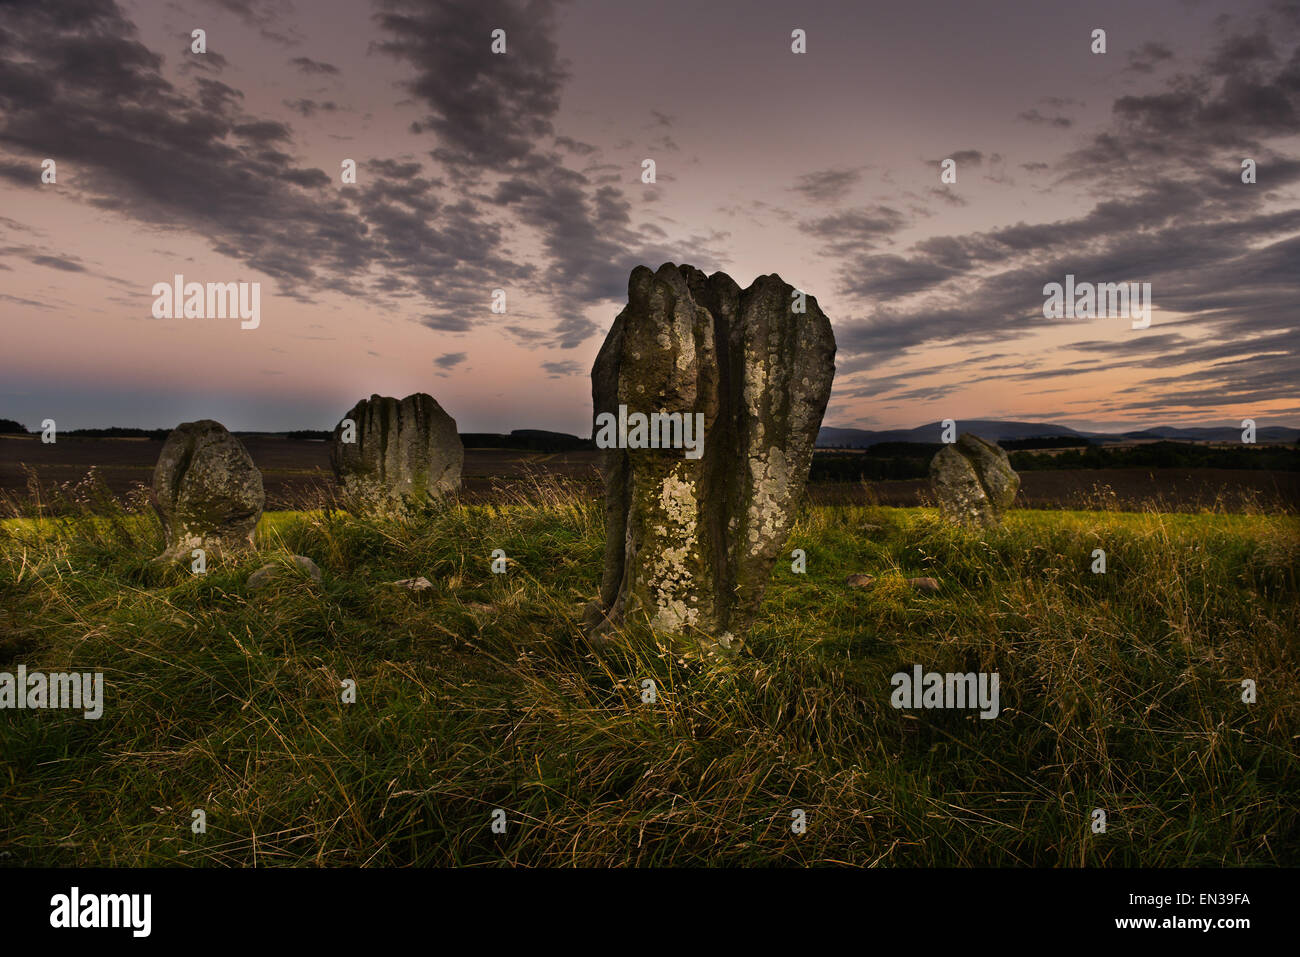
(207, 490)
(973, 481)
(401, 453)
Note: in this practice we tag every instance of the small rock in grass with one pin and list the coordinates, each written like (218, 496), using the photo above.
(927, 585)
(414, 584)
(859, 581)
(267, 573)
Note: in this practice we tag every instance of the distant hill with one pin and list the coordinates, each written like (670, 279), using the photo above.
(1272, 433)
(997, 430)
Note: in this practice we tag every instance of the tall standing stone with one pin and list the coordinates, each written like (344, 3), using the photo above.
(207, 490)
(691, 542)
(973, 481)
(400, 453)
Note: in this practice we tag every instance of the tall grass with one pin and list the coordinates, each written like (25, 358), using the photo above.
(1119, 691)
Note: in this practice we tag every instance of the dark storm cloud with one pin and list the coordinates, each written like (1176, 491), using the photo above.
(1179, 217)
(490, 114)
(85, 90)
(487, 110)
(1242, 53)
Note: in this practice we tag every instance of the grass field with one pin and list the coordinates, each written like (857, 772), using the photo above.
(297, 475)
(1119, 691)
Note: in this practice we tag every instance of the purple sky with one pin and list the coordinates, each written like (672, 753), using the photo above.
(522, 172)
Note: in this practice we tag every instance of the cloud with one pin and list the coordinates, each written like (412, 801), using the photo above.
(489, 115)
(193, 158)
(314, 67)
(1145, 58)
(450, 360)
(38, 258)
(309, 108)
(558, 370)
(827, 185)
(1060, 102)
(445, 323)
(575, 147)
(1222, 257)
(488, 111)
(260, 15)
(189, 61)
(20, 301)
(1038, 119)
(850, 230)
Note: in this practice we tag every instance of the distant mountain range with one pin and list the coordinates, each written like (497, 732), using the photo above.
(996, 430)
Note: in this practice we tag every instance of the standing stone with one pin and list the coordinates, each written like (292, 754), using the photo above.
(691, 541)
(973, 481)
(207, 490)
(404, 453)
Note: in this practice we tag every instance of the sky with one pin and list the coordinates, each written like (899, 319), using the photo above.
(523, 171)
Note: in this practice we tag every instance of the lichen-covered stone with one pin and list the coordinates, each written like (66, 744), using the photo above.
(973, 481)
(691, 542)
(405, 452)
(207, 490)
(269, 574)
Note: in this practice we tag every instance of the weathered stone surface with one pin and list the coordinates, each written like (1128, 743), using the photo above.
(207, 490)
(405, 453)
(927, 585)
(691, 542)
(973, 481)
(860, 580)
(413, 584)
(269, 573)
